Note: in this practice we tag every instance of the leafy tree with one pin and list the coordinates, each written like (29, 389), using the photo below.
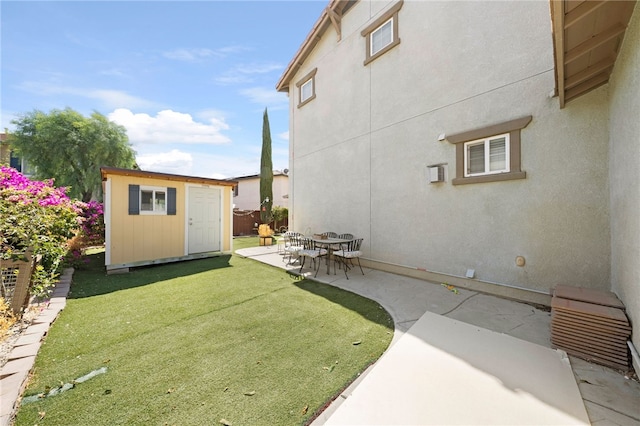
(70, 148)
(266, 172)
(279, 214)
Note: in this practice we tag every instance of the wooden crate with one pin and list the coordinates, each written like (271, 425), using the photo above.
(15, 279)
(590, 324)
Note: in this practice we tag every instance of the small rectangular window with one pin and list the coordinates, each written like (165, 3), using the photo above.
(382, 34)
(306, 91)
(153, 200)
(487, 156)
(382, 37)
(307, 88)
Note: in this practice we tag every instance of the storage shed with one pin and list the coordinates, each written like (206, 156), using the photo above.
(158, 217)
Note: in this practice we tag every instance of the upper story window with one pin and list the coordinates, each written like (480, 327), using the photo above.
(490, 153)
(382, 34)
(307, 88)
(381, 37)
(487, 156)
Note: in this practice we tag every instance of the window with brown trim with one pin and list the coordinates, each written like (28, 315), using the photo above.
(382, 34)
(490, 153)
(307, 88)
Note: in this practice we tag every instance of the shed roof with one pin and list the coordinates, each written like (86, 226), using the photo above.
(104, 171)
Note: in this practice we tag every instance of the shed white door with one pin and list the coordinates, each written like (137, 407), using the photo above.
(203, 220)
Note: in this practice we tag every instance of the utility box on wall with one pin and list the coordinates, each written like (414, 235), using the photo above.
(435, 173)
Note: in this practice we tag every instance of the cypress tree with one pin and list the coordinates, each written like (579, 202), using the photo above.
(266, 172)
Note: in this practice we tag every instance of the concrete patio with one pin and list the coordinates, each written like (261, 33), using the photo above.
(462, 357)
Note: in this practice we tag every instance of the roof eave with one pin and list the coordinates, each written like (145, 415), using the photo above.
(104, 171)
(323, 22)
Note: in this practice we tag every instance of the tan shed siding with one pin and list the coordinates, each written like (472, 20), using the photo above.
(137, 238)
(227, 219)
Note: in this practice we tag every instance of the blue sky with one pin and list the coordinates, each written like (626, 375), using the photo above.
(188, 80)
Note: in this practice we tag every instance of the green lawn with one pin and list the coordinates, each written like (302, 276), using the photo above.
(223, 339)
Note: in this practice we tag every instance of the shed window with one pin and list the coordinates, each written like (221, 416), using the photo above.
(152, 200)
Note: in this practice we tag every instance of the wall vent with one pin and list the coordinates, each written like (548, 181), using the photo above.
(436, 173)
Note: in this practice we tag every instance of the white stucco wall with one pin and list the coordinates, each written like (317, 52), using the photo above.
(360, 150)
(624, 172)
(248, 197)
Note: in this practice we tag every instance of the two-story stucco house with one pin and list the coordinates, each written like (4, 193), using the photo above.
(246, 194)
(490, 145)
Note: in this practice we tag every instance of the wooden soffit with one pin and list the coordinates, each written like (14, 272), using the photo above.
(587, 37)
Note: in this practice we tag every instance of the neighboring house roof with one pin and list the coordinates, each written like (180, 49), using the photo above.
(275, 173)
(587, 37)
(154, 175)
(331, 15)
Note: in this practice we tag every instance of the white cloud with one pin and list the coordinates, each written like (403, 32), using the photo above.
(263, 96)
(284, 136)
(258, 68)
(229, 79)
(118, 99)
(114, 72)
(208, 165)
(169, 127)
(194, 54)
(242, 73)
(108, 98)
(174, 162)
(189, 55)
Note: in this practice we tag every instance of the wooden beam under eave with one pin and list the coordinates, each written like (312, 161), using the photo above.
(587, 86)
(336, 20)
(557, 16)
(595, 41)
(581, 11)
(590, 71)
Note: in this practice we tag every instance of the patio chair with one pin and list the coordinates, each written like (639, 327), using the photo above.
(345, 256)
(336, 247)
(285, 241)
(313, 251)
(293, 247)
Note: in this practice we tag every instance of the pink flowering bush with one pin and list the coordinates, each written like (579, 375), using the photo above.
(92, 225)
(35, 216)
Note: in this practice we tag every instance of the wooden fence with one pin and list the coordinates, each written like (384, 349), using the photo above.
(245, 222)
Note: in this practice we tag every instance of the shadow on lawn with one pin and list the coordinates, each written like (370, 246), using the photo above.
(367, 308)
(92, 279)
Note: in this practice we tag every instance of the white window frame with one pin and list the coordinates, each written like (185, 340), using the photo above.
(373, 53)
(156, 207)
(390, 17)
(486, 142)
(307, 84)
(309, 80)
